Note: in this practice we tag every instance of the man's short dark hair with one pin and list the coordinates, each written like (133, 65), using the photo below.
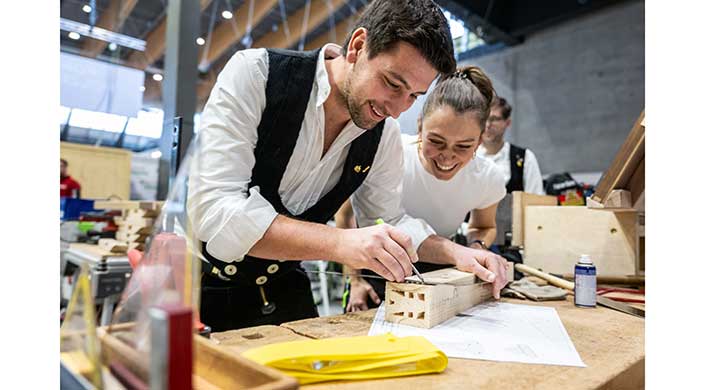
(420, 23)
(64, 162)
(503, 105)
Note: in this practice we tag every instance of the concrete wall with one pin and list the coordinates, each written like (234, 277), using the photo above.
(576, 88)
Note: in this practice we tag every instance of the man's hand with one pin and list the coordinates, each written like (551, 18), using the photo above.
(359, 291)
(485, 264)
(380, 248)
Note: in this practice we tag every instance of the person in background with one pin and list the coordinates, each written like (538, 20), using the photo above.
(519, 165)
(443, 181)
(69, 188)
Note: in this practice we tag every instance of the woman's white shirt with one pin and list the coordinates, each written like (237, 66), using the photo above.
(444, 204)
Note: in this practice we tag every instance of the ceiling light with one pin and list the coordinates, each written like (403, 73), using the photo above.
(200, 41)
(157, 77)
(142, 88)
(87, 8)
(102, 34)
(227, 15)
(74, 35)
(156, 154)
(112, 46)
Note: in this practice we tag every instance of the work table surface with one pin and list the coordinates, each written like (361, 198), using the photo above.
(609, 342)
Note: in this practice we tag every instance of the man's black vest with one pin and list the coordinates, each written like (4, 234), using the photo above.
(516, 167)
(289, 84)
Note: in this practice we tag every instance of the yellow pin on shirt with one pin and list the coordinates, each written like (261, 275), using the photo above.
(358, 169)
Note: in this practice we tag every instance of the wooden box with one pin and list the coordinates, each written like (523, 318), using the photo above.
(556, 236)
(214, 367)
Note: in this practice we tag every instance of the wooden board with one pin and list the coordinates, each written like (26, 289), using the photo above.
(333, 326)
(134, 221)
(130, 238)
(240, 340)
(94, 250)
(214, 367)
(113, 246)
(128, 204)
(556, 236)
(102, 172)
(610, 343)
(627, 169)
(519, 202)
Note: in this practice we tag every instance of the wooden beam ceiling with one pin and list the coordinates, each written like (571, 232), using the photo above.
(341, 32)
(156, 44)
(318, 13)
(111, 19)
(229, 32)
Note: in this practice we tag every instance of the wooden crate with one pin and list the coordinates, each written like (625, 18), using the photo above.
(215, 367)
(556, 236)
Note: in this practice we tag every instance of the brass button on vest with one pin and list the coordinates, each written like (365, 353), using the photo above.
(273, 268)
(261, 280)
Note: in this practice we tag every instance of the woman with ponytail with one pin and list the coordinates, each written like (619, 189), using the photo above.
(444, 180)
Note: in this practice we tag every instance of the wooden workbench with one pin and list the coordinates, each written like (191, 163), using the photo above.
(610, 343)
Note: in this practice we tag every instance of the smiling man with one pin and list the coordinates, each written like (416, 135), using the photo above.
(285, 138)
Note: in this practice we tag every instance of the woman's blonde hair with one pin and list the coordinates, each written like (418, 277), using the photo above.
(466, 90)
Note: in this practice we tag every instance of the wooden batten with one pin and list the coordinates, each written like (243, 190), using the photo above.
(626, 172)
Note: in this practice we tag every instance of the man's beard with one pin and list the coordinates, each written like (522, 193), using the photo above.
(356, 110)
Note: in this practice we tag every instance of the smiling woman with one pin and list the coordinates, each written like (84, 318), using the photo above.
(443, 178)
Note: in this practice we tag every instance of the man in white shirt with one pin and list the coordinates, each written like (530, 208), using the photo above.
(519, 165)
(286, 137)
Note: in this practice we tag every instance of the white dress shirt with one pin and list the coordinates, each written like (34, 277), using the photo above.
(533, 183)
(232, 218)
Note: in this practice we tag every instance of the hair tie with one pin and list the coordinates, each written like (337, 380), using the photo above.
(461, 74)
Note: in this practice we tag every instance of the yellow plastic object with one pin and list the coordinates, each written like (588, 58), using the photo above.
(79, 343)
(352, 358)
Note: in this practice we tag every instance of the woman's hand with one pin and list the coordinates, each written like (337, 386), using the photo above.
(485, 264)
(359, 291)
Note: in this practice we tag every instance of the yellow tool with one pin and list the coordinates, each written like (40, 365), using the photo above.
(79, 343)
(352, 358)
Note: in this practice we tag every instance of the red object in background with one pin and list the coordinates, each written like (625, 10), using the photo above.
(69, 187)
(179, 346)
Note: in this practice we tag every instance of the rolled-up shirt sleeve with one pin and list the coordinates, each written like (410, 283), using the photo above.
(379, 196)
(223, 211)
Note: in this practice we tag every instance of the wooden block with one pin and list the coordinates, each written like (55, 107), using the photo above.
(130, 238)
(617, 199)
(127, 204)
(136, 245)
(93, 250)
(426, 305)
(556, 236)
(519, 202)
(135, 229)
(113, 246)
(134, 221)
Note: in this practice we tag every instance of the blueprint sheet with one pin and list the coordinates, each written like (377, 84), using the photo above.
(497, 331)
